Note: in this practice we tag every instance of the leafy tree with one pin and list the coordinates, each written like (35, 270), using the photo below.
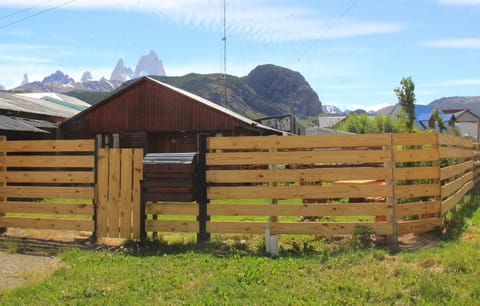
(362, 124)
(435, 118)
(406, 99)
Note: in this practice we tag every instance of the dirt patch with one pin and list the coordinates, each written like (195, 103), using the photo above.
(17, 270)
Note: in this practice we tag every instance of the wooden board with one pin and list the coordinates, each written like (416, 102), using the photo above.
(416, 173)
(136, 192)
(287, 192)
(402, 156)
(417, 191)
(298, 175)
(419, 226)
(365, 209)
(126, 188)
(417, 208)
(454, 170)
(85, 145)
(102, 193)
(315, 228)
(408, 139)
(298, 142)
(48, 208)
(456, 198)
(453, 152)
(455, 185)
(76, 177)
(171, 226)
(47, 223)
(158, 208)
(54, 161)
(47, 192)
(295, 157)
(114, 193)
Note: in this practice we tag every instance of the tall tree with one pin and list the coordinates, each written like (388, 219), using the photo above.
(406, 99)
(436, 119)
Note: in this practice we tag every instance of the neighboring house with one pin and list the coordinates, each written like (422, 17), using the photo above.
(32, 116)
(287, 123)
(158, 117)
(467, 122)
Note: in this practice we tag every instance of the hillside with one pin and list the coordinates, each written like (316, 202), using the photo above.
(268, 90)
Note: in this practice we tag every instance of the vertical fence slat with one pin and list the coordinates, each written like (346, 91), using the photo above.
(102, 193)
(114, 193)
(126, 203)
(136, 193)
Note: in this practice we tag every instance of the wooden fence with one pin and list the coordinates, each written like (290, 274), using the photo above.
(392, 183)
(47, 184)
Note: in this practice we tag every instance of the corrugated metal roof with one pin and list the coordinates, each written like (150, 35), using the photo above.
(21, 103)
(19, 124)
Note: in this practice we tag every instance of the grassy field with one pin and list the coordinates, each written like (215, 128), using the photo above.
(233, 270)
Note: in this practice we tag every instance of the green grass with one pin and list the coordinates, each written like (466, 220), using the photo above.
(233, 270)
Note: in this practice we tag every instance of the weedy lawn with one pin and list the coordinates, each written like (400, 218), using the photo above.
(233, 270)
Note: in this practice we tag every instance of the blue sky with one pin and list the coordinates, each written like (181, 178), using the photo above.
(352, 52)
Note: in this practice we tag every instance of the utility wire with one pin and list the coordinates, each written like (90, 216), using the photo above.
(329, 28)
(35, 14)
(21, 11)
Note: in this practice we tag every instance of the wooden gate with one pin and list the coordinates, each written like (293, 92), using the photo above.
(119, 172)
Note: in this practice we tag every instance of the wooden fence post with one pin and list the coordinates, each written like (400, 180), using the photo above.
(202, 201)
(392, 200)
(3, 170)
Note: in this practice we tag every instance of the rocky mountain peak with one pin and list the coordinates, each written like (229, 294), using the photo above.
(25, 79)
(87, 76)
(149, 64)
(121, 72)
(58, 77)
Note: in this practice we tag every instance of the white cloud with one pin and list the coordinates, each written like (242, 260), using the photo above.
(450, 83)
(460, 2)
(470, 43)
(257, 20)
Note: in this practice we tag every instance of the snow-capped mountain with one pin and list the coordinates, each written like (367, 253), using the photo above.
(148, 64)
(25, 79)
(331, 109)
(87, 76)
(59, 77)
(121, 72)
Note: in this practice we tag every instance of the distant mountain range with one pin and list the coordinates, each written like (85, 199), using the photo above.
(268, 90)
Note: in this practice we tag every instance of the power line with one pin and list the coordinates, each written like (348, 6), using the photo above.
(21, 11)
(329, 28)
(35, 14)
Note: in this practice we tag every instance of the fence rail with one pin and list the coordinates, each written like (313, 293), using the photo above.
(47, 184)
(392, 183)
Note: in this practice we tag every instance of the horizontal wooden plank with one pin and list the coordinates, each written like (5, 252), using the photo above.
(85, 145)
(158, 208)
(416, 173)
(298, 142)
(452, 152)
(296, 157)
(51, 161)
(418, 190)
(454, 170)
(298, 175)
(402, 156)
(364, 209)
(417, 208)
(314, 228)
(456, 198)
(419, 226)
(50, 177)
(169, 197)
(48, 192)
(408, 139)
(452, 140)
(171, 226)
(47, 208)
(47, 223)
(286, 192)
(455, 185)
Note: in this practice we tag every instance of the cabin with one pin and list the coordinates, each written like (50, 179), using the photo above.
(158, 117)
(288, 123)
